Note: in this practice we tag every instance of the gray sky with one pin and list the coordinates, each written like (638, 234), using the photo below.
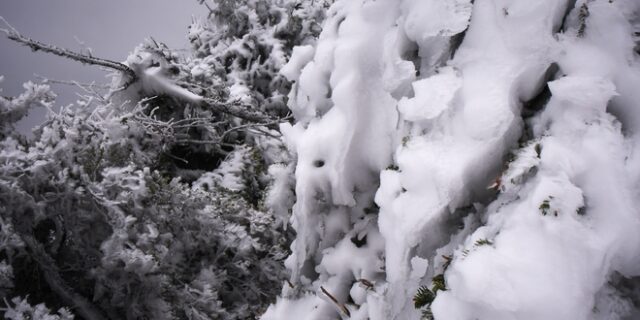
(111, 28)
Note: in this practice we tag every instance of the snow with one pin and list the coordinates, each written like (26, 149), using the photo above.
(300, 56)
(404, 137)
(228, 174)
(300, 307)
(280, 196)
(433, 96)
(153, 77)
(556, 257)
(421, 23)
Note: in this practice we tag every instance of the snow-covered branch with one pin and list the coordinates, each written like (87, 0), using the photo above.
(238, 109)
(80, 304)
(35, 45)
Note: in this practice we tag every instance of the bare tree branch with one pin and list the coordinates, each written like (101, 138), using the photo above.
(83, 86)
(35, 45)
(235, 109)
(91, 89)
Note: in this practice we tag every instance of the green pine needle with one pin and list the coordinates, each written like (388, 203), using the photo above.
(483, 242)
(423, 297)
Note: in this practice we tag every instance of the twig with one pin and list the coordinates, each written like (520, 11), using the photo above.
(340, 306)
(89, 88)
(290, 284)
(235, 109)
(84, 45)
(81, 85)
(176, 158)
(211, 12)
(251, 125)
(367, 284)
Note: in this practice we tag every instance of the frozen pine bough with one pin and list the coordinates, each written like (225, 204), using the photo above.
(466, 160)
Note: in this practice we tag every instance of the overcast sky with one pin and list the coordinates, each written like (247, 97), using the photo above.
(112, 28)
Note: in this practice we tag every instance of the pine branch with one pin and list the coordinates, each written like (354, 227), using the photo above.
(423, 297)
(35, 45)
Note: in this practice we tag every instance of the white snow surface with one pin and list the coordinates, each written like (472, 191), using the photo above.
(415, 160)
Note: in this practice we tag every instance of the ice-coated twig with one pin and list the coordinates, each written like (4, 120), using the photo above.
(89, 88)
(80, 85)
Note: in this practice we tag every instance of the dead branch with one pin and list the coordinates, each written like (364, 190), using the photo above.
(35, 45)
(84, 86)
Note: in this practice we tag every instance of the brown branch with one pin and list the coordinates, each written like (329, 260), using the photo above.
(340, 306)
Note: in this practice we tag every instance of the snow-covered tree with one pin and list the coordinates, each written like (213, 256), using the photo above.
(167, 196)
(355, 159)
(466, 160)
